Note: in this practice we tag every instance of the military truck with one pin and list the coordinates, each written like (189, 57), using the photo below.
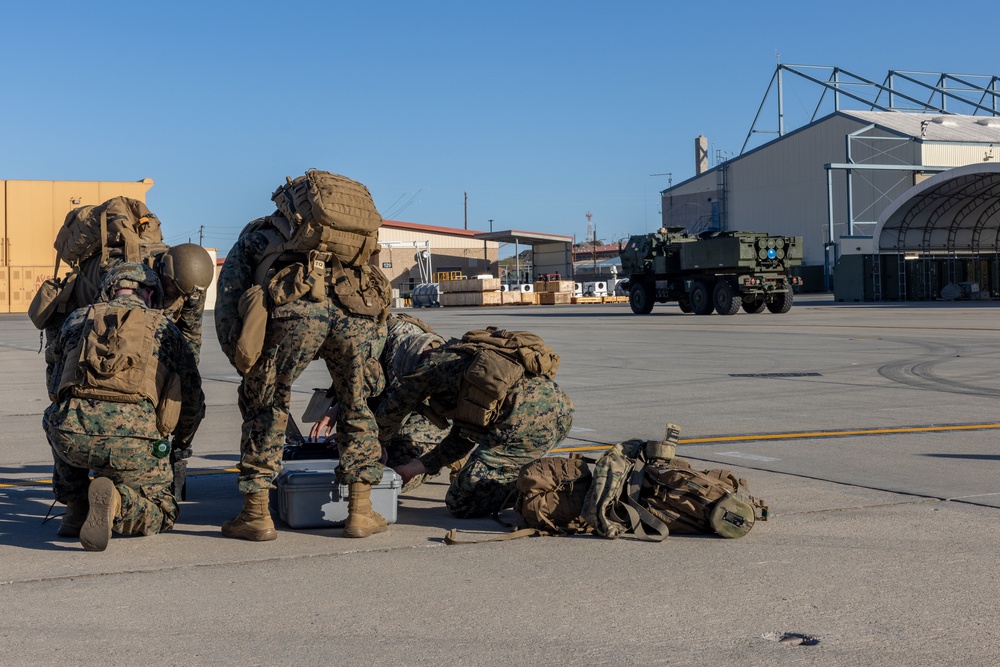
(711, 271)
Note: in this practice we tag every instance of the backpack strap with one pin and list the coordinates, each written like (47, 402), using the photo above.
(451, 537)
(644, 525)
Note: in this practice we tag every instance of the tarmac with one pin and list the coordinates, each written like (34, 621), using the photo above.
(870, 429)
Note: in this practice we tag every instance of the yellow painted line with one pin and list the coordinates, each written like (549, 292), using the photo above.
(683, 441)
(804, 434)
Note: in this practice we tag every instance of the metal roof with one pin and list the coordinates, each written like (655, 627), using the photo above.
(955, 211)
(933, 127)
(517, 236)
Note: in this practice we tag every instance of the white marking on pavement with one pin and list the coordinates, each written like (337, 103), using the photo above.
(751, 457)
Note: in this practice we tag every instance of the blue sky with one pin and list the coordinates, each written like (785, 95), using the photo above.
(539, 111)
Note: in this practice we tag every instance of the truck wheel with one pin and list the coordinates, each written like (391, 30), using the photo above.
(755, 306)
(782, 302)
(640, 298)
(701, 300)
(726, 303)
(684, 305)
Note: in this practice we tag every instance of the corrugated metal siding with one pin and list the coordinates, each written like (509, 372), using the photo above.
(782, 188)
(957, 155)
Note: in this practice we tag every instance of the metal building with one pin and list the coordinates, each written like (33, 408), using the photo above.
(31, 212)
(830, 179)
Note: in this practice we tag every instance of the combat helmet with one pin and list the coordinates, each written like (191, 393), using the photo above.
(128, 275)
(188, 267)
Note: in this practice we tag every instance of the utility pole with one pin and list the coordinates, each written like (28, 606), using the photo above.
(466, 208)
(201, 234)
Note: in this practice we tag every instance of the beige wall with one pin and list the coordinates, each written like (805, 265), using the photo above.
(448, 253)
(31, 212)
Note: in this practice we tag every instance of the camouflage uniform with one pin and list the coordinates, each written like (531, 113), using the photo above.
(186, 312)
(115, 439)
(298, 333)
(536, 415)
(416, 435)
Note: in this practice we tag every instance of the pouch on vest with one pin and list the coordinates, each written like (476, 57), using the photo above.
(113, 360)
(253, 314)
(288, 285)
(363, 290)
(168, 412)
(485, 384)
(52, 297)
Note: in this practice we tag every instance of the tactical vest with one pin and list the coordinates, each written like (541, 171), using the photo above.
(288, 269)
(113, 361)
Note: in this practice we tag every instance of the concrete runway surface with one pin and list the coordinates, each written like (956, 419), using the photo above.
(871, 429)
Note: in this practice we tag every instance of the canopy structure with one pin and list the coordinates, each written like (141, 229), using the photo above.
(955, 212)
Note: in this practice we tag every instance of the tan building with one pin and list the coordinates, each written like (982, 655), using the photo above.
(413, 254)
(31, 212)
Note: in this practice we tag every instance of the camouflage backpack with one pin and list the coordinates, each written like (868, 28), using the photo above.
(498, 359)
(612, 505)
(641, 485)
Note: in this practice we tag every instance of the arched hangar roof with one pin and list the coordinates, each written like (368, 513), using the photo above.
(956, 211)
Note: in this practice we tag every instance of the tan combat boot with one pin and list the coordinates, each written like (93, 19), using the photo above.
(105, 503)
(362, 520)
(254, 522)
(72, 521)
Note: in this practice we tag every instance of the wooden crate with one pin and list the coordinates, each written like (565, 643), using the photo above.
(470, 299)
(561, 286)
(511, 297)
(553, 298)
(586, 299)
(469, 285)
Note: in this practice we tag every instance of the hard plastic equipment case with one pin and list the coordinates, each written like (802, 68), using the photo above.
(308, 496)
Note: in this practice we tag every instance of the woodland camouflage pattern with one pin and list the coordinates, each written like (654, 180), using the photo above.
(298, 333)
(536, 415)
(115, 440)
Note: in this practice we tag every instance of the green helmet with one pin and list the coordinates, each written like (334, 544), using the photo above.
(187, 266)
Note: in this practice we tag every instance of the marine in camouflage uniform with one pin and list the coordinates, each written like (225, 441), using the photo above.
(186, 310)
(297, 333)
(535, 416)
(116, 439)
(406, 342)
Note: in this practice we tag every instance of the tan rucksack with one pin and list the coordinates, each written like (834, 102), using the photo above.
(550, 496)
(120, 222)
(700, 501)
(329, 213)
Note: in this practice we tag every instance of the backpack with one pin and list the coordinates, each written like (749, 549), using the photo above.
(498, 360)
(612, 505)
(641, 486)
(120, 222)
(330, 222)
(550, 495)
(551, 492)
(330, 213)
(700, 501)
